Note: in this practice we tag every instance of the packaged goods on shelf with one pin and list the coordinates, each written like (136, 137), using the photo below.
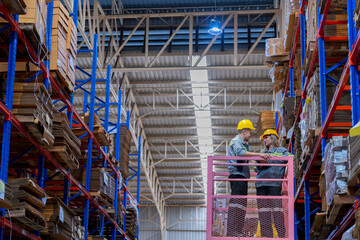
(125, 141)
(79, 230)
(99, 131)
(131, 222)
(336, 168)
(63, 47)
(348, 234)
(102, 184)
(274, 50)
(287, 111)
(5, 195)
(66, 147)
(33, 107)
(357, 14)
(33, 23)
(26, 205)
(60, 220)
(291, 10)
(266, 120)
(278, 74)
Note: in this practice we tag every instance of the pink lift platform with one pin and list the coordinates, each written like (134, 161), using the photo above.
(246, 217)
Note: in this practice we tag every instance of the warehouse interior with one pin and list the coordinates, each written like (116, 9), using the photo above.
(116, 116)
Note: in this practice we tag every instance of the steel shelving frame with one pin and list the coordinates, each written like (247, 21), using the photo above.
(350, 70)
(44, 154)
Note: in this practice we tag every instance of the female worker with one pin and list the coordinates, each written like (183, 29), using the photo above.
(271, 214)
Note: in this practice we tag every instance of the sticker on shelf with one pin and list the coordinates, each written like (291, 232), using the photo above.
(61, 214)
(106, 178)
(2, 190)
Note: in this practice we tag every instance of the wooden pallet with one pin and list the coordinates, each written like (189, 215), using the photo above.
(319, 229)
(28, 216)
(339, 206)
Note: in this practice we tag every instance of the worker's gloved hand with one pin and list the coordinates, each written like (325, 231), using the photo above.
(266, 157)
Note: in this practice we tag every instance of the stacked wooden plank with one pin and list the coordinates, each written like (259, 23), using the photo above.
(131, 222)
(274, 51)
(125, 141)
(62, 61)
(102, 184)
(99, 131)
(60, 220)
(33, 107)
(33, 23)
(5, 195)
(266, 121)
(291, 15)
(66, 146)
(26, 205)
(15, 6)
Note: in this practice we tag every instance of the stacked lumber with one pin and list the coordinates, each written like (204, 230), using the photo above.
(62, 61)
(125, 141)
(66, 146)
(291, 10)
(32, 23)
(266, 121)
(131, 222)
(5, 195)
(33, 107)
(102, 184)
(274, 51)
(26, 205)
(15, 6)
(60, 221)
(99, 131)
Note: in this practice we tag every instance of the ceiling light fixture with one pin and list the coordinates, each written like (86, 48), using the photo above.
(215, 25)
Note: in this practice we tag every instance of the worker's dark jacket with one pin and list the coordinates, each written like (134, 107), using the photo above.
(238, 147)
(272, 172)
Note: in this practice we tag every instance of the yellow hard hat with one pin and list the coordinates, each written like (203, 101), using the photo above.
(270, 132)
(245, 123)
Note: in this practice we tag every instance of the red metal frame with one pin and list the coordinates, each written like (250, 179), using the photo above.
(17, 229)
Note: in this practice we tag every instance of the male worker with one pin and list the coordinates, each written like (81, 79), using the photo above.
(237, 206)
(271, 210)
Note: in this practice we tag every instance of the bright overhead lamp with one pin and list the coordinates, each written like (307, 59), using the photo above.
(215, 27)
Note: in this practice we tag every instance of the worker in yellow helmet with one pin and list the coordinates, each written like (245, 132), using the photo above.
(271, 209)
(237, 206)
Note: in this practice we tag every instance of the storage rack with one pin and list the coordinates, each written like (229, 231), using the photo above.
(11, 119)
(350, 70)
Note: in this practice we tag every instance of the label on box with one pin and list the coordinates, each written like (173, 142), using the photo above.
(61, 214)
(44, 199)
(2, 190)
(106, 179)
(59, 63)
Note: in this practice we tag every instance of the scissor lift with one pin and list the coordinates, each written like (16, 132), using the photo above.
(224, 216)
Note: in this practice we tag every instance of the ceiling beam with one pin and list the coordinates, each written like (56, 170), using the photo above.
(181, 14)
(186, 68)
